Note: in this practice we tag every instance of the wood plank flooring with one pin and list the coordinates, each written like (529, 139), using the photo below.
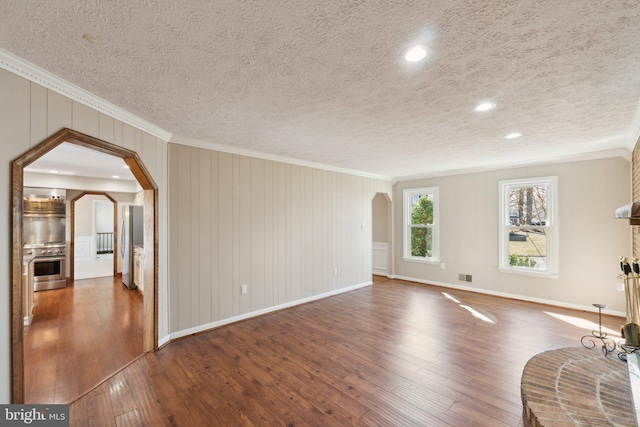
(392, 354)
(79, 336)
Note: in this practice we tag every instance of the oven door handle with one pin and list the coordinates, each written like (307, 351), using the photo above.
(48, 258)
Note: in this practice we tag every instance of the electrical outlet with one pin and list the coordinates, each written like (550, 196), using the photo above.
(620, 286)
(442, 265)
(244, 289)
(335, 271)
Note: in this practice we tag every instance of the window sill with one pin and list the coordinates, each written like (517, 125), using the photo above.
(544, 275)
(422, 260)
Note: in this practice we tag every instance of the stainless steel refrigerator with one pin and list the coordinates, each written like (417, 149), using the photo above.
(131, 235)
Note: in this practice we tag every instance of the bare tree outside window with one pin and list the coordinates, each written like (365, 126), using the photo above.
(528, 231)
(528, 234)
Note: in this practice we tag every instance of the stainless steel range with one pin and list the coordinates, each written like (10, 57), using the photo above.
(47, 265)
(44, 247)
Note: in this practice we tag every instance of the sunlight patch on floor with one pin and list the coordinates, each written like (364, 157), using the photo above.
(475, 311)
(451, 297)
(487, 317)
(583, 323)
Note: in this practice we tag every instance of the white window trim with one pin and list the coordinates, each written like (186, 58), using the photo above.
(406, 215)
(552, 221)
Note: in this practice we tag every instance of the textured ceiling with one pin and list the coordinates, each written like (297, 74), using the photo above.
(324, 81)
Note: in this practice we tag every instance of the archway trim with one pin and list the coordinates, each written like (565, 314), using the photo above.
(73, 225)
(138, 169)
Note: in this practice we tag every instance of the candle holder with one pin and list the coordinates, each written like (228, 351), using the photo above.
(589, 341)
(626, 349)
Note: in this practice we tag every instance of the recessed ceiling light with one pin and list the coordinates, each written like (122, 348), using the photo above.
(116, 176)
(53, 171)
(485, 106)
(416, 53)
(126, 166)
(513, 135)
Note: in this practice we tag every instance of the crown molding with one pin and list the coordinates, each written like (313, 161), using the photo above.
(273, 157)
(616, 152)
(22, 68)
(634, 130)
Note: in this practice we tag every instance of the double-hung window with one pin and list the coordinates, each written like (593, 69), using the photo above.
(421, 224)
(529, 226)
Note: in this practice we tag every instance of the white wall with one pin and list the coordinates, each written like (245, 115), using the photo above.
(591, 240)
(84, 226)
(29, 113)
(279, 228)
(104, 216)
(84, 215)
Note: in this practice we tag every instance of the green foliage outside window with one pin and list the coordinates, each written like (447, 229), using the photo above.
(521, 261)
(421, 237)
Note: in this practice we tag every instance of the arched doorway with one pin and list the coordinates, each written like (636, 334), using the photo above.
(150, 273)
(381, 235)
(72, 253)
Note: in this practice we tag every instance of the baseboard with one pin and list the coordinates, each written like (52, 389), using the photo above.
(580, 307)
(227, 321)
(379, 271)
(164, 341)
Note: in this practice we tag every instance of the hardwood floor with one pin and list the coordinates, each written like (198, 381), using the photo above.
(392, 354)
(378, 279)
(79, 336)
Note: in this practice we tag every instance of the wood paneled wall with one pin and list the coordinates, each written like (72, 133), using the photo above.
(279, 228)
(29, 113)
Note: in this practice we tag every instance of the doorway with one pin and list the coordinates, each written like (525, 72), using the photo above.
(150, 270)
(93, 236)
(381, 235)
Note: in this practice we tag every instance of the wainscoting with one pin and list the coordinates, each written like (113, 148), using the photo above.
(380, 258)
